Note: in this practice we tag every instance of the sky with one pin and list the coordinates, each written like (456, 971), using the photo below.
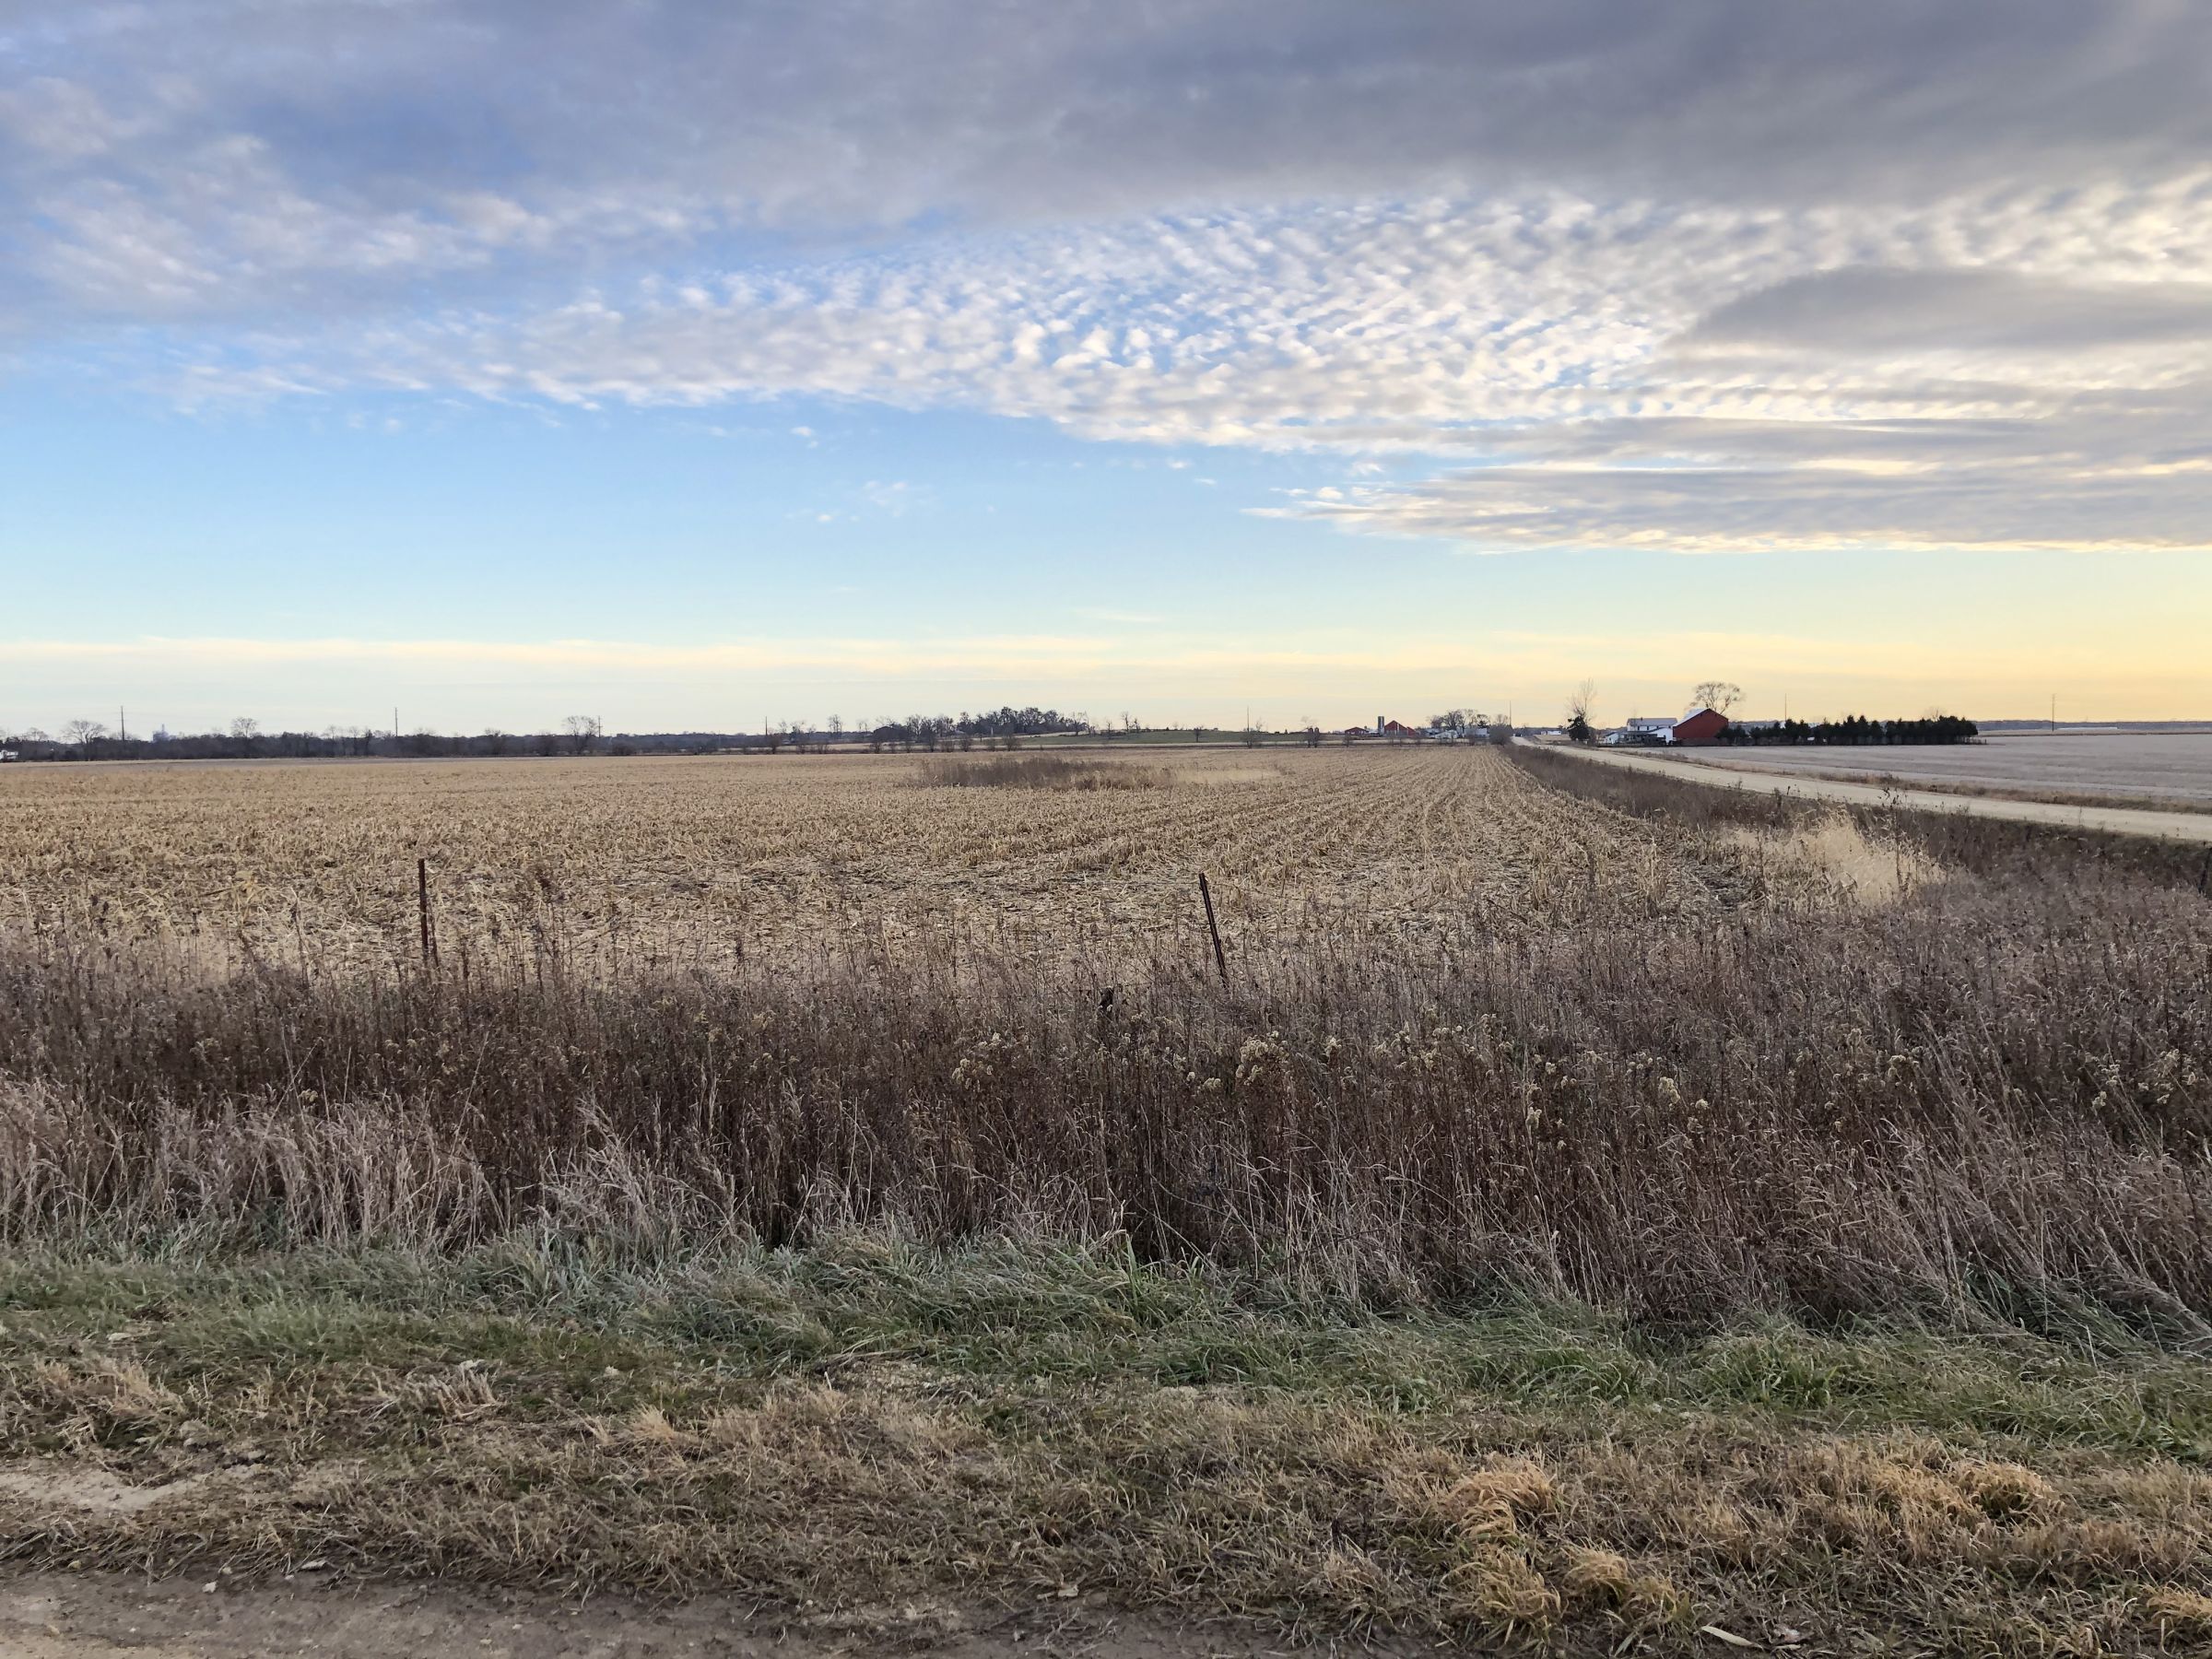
(696, 365)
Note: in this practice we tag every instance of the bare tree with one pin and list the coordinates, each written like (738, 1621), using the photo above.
(84, 733)
(932, 730)
(1578, 702)
(835, 726)
(1719, 696)
(583, 731)
(245, 728)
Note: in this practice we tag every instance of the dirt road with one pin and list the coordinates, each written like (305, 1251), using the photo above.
(2156, 771)
(112, 1615)
(2123, 820)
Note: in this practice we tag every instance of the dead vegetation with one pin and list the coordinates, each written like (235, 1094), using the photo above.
(1005, 1248)
(1826, 1109)
(869, 1422)
(1832, 853)
(1038, 772)
(615, 868)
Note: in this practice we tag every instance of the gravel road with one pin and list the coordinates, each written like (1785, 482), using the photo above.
(2124, 820)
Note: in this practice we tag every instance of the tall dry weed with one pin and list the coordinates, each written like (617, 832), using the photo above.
(1987, 1102)
(1538, 1046)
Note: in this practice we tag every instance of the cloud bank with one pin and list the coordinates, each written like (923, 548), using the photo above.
(1718, 275)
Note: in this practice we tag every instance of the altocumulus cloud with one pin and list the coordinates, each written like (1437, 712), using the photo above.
(1706, 275)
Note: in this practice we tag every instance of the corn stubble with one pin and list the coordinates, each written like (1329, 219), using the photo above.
(1486, 1042)
(1478, 1033)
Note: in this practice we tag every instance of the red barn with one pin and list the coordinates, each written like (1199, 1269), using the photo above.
(1699, 725)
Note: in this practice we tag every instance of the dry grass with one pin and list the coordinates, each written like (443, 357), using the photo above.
(870, 1423)
(1834, 1111)
(1041, 771)
(1690, 1070)
(798, 1176)
(1834, 854)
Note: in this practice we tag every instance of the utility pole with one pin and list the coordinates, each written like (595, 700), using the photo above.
(2053, 714)
(123, 726)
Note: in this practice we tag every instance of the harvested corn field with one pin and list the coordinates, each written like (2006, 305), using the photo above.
(636, 864)
(1467, 1026)
(1575, 1210)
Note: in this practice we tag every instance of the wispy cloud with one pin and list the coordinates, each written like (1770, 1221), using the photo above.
(1719, 275)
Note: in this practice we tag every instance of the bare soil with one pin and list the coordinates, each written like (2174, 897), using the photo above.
(83, 1615)
(94, 1614)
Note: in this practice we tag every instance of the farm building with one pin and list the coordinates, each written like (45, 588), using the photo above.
(1699, 725)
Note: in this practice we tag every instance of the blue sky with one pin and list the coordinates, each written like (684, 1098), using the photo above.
(698, 364)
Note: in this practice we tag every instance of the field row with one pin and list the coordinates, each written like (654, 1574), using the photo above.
(710, 859)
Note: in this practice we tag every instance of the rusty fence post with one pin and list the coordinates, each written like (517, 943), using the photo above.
(1213, 927)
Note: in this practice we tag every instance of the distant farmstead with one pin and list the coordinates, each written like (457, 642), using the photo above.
(1699, 725)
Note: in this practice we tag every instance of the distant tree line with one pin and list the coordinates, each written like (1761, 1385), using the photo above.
(1854, 729)
(245, 740)
(576, 734)
(1458, 719)
(964, 731)
(1026, 722)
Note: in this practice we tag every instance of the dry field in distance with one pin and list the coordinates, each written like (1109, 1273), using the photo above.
(2135, 767)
